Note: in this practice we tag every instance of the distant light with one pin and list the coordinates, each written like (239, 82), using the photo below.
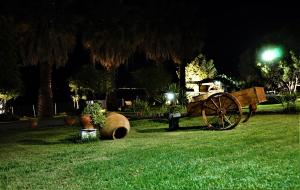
(170, 96)
(1, 108)
(218, 83)
(271, 54)
(90, 102)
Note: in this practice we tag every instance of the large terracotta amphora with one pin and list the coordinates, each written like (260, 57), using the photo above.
(116, 126)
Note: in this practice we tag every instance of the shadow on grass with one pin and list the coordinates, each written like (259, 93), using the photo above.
(165, 120)
(37, 142)
(75, 139)
(160, 120)
(159, 130)
(152, 130)
(195, 128)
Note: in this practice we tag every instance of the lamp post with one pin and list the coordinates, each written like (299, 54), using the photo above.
(268, 56)
(173, 117)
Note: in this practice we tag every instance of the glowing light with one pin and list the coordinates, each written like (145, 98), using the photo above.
(196, 88)
(1, 108)
(170, 96)
(194, 77)
(218, 83)
(271, 54)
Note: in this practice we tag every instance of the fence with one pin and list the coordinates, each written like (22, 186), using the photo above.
(58, 108)
(31, 110)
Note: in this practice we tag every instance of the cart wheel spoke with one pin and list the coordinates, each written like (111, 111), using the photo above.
(214, 103)
(206, 106)
(213, 121)
(222, 120)
(233, 111)
(231, 107)
(227, 114)
(227, 119)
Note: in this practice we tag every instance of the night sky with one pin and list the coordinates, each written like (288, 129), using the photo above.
(231, 29)
(234, 28)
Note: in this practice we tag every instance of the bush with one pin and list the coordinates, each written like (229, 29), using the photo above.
(97, 113)
(8, 117)
(288, 101)
(140, 106)
(164, 109)
(273, 99)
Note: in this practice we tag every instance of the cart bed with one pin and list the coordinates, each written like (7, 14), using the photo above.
(250, 96)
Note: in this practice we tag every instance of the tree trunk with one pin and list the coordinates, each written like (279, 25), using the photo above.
(182, 82)
(45, 97)
(296, 83)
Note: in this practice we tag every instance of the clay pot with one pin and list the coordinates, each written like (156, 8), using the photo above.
(116, 126)
(139, 114)
(33, 123)
(70, 120)
(86, 121)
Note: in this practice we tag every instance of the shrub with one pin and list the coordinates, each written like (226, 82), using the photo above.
(140, 106)
(97, 113)
(288, 101)
(9, 117)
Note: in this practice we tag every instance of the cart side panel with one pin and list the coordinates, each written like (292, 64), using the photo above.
(261, 96)
(195, 108)
(250, 96)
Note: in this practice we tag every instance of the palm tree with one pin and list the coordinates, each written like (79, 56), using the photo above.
(10, 76)
(45, 41)
(112, 30)
(152, 27)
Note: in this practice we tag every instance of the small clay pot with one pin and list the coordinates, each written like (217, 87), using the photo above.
(70, 120)
(86, 121)
(33, 123)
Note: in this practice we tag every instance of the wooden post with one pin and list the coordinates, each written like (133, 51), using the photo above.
(33, 108)
(77, 104)
(55, 110)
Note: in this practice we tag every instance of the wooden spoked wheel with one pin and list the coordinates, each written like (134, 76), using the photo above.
(221, 111)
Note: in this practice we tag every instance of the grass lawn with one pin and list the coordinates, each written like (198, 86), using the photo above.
(260, 154)
(275, 107)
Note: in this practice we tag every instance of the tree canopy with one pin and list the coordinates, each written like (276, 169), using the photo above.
(154, 78)
(92, 80)
(111, 30)
(10, 77)
(9, 73)
(283, 75)
(200, 68)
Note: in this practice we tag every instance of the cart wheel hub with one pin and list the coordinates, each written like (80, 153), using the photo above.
(221, 111)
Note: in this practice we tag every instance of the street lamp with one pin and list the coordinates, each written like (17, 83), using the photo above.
(171, 98)
(173, 117)
(270, 54)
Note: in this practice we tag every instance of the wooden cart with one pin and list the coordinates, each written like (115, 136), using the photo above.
(224, 110)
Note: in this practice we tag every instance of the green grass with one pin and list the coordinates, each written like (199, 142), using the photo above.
(270, 108)
(275, 107)
(260, 154)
